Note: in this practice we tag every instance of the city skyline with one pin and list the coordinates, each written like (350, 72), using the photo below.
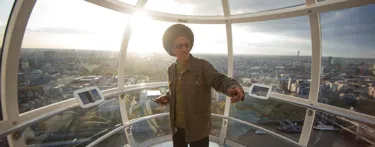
(218, 54)
(59, 29)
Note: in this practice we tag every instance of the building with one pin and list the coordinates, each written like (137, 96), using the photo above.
(294, 88)
(289, 84)
(50, 55)
(24, 65)
(298, 55)
(371, 91)
(330, 61)
(336, 86)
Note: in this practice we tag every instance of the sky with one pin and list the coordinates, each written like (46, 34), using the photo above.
(76, 24)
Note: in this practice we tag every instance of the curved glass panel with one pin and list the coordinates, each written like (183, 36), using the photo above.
(77, 127)
(331, 130)
(117, 140)
(276, 53)
(348, 62)
(216, 126)
(63, 51)
(249, 136)
(5, 10)
(147, 61)
(252, 6)
(187, 7)
(150, 129)
(283, 118)
(130, 2)
(139, 103)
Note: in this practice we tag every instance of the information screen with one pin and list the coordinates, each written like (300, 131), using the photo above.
(260, 91)
(89, 96)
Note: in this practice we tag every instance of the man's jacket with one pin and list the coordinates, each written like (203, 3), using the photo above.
(196, 83)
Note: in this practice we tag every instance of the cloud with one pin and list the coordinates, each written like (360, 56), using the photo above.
(251, 6)
(282, 37)
(349, 32)
(59, 30)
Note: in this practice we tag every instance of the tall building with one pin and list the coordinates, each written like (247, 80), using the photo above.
(330, 60)
(298, 55)
(289, 83)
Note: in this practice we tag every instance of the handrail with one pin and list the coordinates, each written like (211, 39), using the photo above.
(127, 124)
(106, 96)
(257, 127)
(135, 88)
(121, 128)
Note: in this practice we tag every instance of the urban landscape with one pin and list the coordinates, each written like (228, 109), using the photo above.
(47, 76)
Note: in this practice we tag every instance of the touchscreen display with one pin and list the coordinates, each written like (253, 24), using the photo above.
(89, 96)
(260, 91)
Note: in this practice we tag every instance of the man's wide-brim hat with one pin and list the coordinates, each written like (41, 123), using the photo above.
(171, 34)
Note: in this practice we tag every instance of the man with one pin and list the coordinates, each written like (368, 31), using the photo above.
(189, 96)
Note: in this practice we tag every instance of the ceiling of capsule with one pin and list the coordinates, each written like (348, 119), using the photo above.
(214, 7)
(274, 37)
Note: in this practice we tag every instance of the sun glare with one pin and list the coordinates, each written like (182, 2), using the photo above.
(140, 18)
(142, 30)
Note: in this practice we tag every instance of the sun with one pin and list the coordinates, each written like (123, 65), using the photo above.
(143, 32)
(140, 18)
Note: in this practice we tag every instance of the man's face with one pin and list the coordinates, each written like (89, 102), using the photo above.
(181, 48)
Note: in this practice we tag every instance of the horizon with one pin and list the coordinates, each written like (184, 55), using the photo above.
(220, 54)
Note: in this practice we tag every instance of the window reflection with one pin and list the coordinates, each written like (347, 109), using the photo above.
(77, 127)
(249, 136)
(331, 130)
(63, 51)
(277, 116)
(147, 130)
(216, 126)
(116, 140)
(276, 53)
(139, 104)
(348, 63)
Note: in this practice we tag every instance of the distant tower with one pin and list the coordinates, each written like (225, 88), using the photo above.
(298, 55)
(330, 60)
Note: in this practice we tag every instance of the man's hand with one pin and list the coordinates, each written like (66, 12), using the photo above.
(236, 94)
(162, 100)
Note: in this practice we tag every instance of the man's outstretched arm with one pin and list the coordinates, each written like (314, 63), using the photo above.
(222, 83)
